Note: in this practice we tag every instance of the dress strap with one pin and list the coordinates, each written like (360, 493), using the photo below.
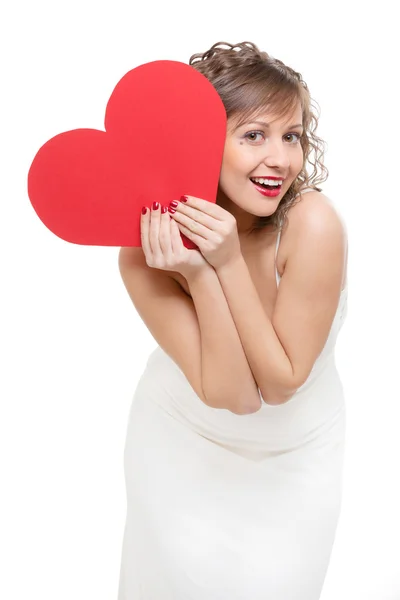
(278, 239)
(304, 190)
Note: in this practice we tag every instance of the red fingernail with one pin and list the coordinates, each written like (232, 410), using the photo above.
(171, 210)
(155, 205)
(144, 210)
(184, 198)
(164, 210)
(174, 203)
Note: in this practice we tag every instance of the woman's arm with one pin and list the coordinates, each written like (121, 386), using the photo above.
(282, 351)
(227, 379)
(197, 333)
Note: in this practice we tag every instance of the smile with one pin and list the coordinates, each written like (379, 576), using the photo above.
(270, 191)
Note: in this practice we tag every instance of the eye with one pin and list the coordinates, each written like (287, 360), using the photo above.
(297, 137)
(252, 136)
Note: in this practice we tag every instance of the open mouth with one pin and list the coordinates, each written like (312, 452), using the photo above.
(267, 189)
(267, 186)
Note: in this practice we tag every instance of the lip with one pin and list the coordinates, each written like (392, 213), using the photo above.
(268, 193)
(268, 177)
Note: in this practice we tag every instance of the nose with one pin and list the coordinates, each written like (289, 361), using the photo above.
(277, 155)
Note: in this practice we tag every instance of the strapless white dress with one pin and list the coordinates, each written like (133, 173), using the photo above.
(232, 507)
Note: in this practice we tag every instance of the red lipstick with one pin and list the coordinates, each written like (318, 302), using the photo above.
(269, 192)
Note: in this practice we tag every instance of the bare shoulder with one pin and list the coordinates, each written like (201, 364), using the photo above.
(315, 209)
(314, 220)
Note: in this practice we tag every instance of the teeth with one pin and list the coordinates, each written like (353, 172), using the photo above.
(267, 181)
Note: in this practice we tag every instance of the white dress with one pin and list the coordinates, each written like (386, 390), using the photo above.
(232, 507)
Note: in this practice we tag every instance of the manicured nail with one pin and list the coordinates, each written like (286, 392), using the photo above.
(144, 210)
(174, 203)
(155, 205)
(171, 210)
(184, 198)
(164, 210)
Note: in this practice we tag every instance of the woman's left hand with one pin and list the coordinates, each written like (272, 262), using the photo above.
(212, 228)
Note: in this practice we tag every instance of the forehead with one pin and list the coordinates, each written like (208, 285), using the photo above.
(273, 116)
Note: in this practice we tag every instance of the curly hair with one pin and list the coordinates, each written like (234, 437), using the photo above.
(249, 82)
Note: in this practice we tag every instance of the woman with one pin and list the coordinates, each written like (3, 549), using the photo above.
(234, 449)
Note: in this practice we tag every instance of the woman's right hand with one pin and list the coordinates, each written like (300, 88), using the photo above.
(163, 246)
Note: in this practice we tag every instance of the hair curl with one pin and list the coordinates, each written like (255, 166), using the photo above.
(249, 82)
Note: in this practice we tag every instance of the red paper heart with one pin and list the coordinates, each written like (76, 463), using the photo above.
(165, 132)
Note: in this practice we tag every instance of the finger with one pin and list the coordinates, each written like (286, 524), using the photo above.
(209, 208)
(197, 222)
(144, 233)
(165, 235)
(196, 239)
(203, 223)
(196, 227)
(176, 238)
(154, 231)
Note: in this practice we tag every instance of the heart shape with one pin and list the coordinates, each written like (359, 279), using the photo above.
(165, 128)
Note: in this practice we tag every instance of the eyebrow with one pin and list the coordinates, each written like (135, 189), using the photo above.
(267, 126)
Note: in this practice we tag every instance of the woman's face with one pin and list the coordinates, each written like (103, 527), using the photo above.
(265, 147)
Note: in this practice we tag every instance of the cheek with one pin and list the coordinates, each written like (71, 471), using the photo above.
(297, 161)
(230, 167)
(226, 180)
(231, 158)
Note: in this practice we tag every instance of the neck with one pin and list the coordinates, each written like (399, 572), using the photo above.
(244, 220)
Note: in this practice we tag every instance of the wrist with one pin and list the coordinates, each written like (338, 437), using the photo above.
(203, 272)
(232, 264)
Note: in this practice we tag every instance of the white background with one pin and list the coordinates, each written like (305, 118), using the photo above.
(72, 345)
